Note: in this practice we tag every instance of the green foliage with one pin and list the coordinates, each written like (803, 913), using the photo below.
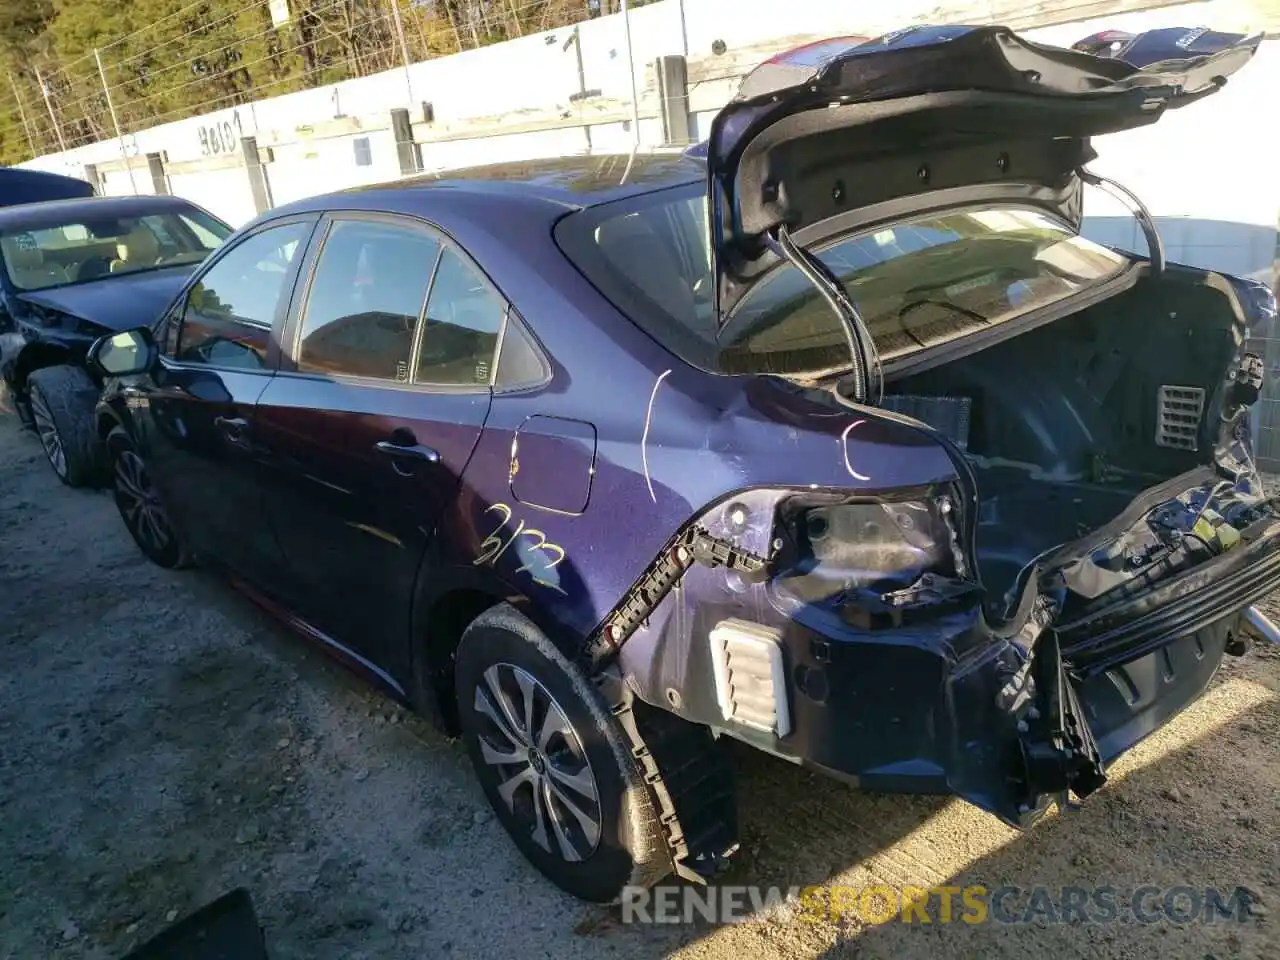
(169, 59)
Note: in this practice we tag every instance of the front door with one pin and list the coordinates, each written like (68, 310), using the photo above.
(217, 357)
(369, 425)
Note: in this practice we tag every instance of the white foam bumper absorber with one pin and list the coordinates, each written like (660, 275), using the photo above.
(751, 682)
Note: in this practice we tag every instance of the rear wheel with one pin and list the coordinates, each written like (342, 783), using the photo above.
(62, 399)
(553, 763)
(140, 506)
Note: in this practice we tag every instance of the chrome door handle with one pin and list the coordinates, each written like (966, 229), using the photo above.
(413, 451)
(233, 427)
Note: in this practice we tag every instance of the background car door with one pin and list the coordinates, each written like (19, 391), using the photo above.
(373, 418)
(217, 357)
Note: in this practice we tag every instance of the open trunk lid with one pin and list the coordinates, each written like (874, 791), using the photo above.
(1117, 629)
(842, 126)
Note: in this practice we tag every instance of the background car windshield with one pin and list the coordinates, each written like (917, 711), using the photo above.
(91, 247)
(916, 284)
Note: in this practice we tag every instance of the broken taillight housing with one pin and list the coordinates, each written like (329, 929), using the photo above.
(835, 547)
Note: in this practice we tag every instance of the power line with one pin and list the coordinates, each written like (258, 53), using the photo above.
(161, 117)
(96, 94)
(193, 32)
(372, 49)
(240, 66)
(151, 76)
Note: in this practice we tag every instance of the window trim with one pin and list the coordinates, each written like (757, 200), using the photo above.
(292, 332)
(178, 308)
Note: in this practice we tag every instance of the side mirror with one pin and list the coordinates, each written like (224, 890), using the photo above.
(125, 353)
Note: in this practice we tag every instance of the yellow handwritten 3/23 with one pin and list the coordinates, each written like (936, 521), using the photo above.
(540, 555)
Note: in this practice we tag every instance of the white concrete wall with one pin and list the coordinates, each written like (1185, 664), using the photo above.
(1205, 171)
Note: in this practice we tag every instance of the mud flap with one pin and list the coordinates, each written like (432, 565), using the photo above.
(1058, 749)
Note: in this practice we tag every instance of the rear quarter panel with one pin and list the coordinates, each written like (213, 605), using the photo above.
(668, 440)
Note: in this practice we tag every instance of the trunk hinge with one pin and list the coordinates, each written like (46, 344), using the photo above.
(1155, 246)
(692, 546)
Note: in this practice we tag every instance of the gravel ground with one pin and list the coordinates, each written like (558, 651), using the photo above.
(162, 741)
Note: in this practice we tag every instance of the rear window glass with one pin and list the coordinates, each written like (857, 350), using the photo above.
(917, 284)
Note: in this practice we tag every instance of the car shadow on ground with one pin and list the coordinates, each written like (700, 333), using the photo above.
(1194, 807)
(1196, 819)
(1181, 813)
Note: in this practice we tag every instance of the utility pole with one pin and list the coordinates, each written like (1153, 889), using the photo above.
(471, 21)
(53, 118)
(404, 47)
(22, 113)
(631, 68)
(115, 121)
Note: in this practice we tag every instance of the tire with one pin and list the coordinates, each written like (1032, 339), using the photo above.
(62, 400)
(140, 506)
(503, 655)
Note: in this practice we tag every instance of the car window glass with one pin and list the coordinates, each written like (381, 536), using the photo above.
(208, 231)
(916, 284)
(367, 294)
(88, 247)
(229, 312)
(520, 364)
(464, 315)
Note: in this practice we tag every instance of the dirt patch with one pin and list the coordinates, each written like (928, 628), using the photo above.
(161, 741)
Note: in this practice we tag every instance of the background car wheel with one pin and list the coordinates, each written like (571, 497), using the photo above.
(62, 399)
(140, 505)
(553, 762)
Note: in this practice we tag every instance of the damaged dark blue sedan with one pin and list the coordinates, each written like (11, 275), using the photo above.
(835, 437)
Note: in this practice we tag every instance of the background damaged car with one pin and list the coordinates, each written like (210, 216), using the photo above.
(839, 440)
(70, 271)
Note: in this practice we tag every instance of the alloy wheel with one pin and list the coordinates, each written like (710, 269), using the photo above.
(544, 776)
(47, 430)
(139, 503)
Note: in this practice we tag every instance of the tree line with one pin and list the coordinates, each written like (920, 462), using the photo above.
(169, 59)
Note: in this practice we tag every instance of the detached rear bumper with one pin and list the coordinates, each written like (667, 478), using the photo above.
(896, 720)
(1010, 724)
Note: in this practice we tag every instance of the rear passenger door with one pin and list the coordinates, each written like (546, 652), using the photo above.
(382, 394)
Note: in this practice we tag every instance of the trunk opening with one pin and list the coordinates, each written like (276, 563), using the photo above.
(1068, 424)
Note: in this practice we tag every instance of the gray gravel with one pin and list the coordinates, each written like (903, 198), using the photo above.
(162, 741)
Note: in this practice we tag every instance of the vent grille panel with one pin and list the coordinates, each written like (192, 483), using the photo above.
(1178, 417)
(750, 680)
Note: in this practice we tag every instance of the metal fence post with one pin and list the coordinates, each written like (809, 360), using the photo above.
(673, 93)
(94, 177)
(406, 149)
(155, 166)
(257, 175)
(115, 122)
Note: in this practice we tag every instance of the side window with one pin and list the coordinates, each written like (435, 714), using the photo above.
(367, 294)
(464, 315)
(229, 312)
(520, 363)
